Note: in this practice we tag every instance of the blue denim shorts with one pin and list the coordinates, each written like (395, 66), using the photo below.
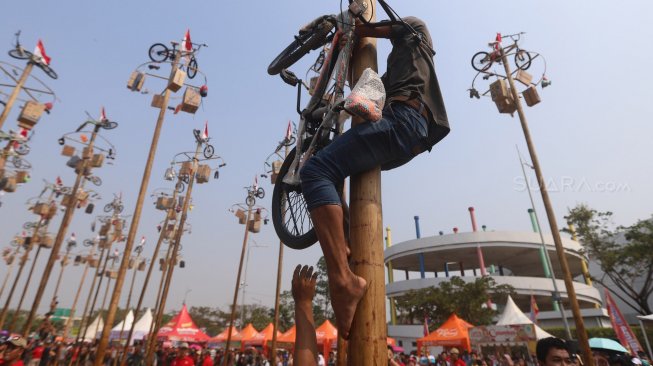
(391, 142)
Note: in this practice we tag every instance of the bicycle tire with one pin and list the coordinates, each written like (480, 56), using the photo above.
(21, 55)
(179, 187)
(96, 180)
(292, 224)
(48, 71)
(158, 52)
(250, 201)
(22, 149)
(302, 44)
(108, 207)
(109, 125)
(525, 63)
(481, 61)
(208, 152)
(20, 163)
(191, 69)
(119, 208)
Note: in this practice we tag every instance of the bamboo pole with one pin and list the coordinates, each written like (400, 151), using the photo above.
(115, 297)
(64, 263)
(123, 359)
(10, 327)
(21, 266)
(175, 250)
(69, 321)
(65, 221)
(150, 333)
(240, 270)
(11, 267)
(15, 92)
(367, 341)
(583, 340)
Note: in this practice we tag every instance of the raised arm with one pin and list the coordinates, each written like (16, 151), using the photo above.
(303, 291)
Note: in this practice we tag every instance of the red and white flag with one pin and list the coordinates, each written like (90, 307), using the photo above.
(58, 182)
(103, 115)
(205, 134)
(535, 310)
(143, 240)
(426, 326)
(186, 43)
(256, 182)
(116, 253)
(73, 237)
(289, 130)
(39, 52)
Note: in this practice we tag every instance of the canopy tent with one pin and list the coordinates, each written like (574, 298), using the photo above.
(262, 338)
(181, 328)
(453, 333)
(327, 335)
(142, 326)
(646, 317)
(94, 329)
(244, 335)
(513, 316)
(121, 330)
(288, 337)
(222, 337)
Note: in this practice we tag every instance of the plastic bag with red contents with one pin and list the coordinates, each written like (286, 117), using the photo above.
(367, 98)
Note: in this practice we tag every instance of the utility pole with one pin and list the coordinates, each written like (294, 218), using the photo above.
(115, 297)
(175, 251)
(65, 221)
(367, 343)
(583, 340)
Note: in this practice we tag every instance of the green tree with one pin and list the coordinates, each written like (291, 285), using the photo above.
(206, 318)
(286, 310)
(624, 253)
(322, 309)
(258, 315)
(466, 299)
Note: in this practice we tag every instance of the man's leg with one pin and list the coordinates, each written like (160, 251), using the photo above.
(303, 291)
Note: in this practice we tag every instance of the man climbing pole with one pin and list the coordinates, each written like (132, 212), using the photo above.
(414, 119)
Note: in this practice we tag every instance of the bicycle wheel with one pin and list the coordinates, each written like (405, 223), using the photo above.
(108, 207)
(523, 59)
(158, 52)
(481, 61)
(48, 71)
(191, 70)
(250, 201)
(22, 149)
(119, 208)
(290, 216)
(20, 54)
(209, 151)
(109, 125)
(302, 44)
(20, 163)
(179, 187)
(96, 180)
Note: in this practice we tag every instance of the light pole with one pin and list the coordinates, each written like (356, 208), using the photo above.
(83, 168)
(252, 193)
(244, 283)
(507, 98)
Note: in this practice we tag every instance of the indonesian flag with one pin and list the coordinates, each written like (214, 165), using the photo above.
(116, 253)
(58, 182)
(143, 240)
(103, 115)
(426, 326)
(256, 183)
(73, 238)
(23, 133)
(535, 310)
(39, 52)
(498, 40)
(186, 43)
(289, 130)
(205, 133)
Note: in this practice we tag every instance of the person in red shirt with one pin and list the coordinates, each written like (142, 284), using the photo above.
(14, 352)
(183, 359)
(455, 358)
(37, 354)
(207, 360)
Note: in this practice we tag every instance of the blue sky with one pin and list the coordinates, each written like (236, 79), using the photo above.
(592, 130)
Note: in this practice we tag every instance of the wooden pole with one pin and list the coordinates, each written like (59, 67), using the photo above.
(175, 251)
(65, 221)
(97, 291)
(69, 321)
(115, 297)
(21, 266)
(367, 341)
(64, 263)
(583, 340)
(240, 270)
(155, 255)
(15, 92)
(9, 270)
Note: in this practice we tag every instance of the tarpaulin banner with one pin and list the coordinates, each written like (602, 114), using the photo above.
(621, 327)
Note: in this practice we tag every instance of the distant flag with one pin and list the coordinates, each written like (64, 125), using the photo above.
(205, 134)
(116, 253)
(58, 181)
(426, 326)
(289, 130)
(256, 182)
(498, 40)
(73, 238)
(143, 240)
(24, 234)
(39, 52)
(535, 310)
(23, 133)
(620, 325)
(103, 115)
(186, 44)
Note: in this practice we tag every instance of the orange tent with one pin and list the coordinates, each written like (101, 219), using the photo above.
(222, 337)
(326, 334)
(453, 333)
(289, 336)
(262, 338)
(245, 334)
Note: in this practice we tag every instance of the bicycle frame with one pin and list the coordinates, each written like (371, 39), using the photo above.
(336, 65)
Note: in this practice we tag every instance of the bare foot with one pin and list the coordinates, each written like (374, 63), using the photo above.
(344, 300)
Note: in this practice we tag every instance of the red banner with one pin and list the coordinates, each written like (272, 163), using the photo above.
(621, 327)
